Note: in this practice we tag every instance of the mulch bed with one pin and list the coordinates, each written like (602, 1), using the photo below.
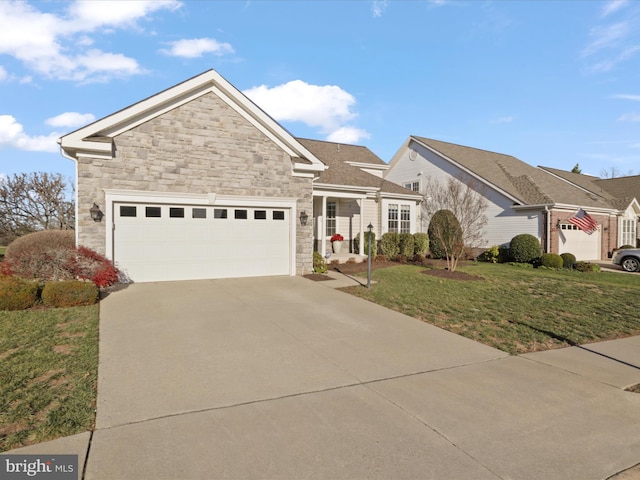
(317, 277)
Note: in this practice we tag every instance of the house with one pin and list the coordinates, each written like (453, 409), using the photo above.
(522, 198)
(352, 193)
(198, 182)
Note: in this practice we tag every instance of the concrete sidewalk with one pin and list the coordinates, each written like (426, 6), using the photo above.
(283, 378)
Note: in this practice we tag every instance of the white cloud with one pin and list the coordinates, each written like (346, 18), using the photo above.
(197, 47)
(613, 6)
(348, 135)
(604, 37)
(629, 117)
(326, 107)
(12, 135)
(55, 45)
(379, 6)
(624, 96)
(70, 120)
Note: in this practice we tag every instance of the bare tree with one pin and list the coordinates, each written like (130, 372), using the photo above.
(465, 199)
(35, 201)
(612, 172)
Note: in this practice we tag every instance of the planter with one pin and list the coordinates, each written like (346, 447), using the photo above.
(337, 246)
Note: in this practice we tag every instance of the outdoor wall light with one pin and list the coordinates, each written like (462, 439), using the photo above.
(96, 214)
(303, 218)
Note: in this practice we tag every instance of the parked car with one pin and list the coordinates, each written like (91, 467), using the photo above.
(627, 258)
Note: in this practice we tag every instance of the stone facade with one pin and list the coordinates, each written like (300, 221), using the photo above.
(201, 147)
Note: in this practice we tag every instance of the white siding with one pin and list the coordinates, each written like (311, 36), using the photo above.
(503, 221)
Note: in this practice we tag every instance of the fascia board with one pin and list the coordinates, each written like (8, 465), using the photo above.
(401, 196)
(342, 188)
(466, 170)
(373, 166)
(606, 211)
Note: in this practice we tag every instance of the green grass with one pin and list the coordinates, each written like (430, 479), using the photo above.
(48, 374)
(514, 309)
(2, 250)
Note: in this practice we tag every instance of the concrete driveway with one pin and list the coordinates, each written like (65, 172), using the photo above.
(285, 378)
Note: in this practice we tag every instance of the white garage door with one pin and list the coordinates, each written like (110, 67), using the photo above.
(582, 245)
(153, 242)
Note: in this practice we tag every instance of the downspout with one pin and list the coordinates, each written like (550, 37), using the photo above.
(547, 237)
(74, 160)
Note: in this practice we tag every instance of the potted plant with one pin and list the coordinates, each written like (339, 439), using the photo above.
(336, 242)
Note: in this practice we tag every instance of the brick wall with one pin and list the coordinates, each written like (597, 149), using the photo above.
(201, 147)
(608, 231)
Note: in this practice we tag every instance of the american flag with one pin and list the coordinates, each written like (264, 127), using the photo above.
(584, 222)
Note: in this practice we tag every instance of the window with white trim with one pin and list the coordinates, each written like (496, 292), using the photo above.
(392, 225)
(628, 232)
(331, 219)
(405, 219)
(413, 186)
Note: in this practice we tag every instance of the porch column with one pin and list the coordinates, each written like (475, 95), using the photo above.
(322, 229)
(362, 241)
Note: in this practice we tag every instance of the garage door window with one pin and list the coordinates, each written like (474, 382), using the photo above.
(240, 214)
(278, 215)
(127, 211)
(153, 212)
(199, 213)
(260, 214)
(176, 212)
(220, 213)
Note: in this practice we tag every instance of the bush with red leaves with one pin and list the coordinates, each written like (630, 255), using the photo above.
(45, 260)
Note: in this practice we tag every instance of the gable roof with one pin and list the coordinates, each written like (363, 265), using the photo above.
(97, 138)
(525, 184)
(340, 172)
(625, 189)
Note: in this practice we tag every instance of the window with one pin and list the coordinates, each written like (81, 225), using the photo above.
(220, 213)
(278, 215)
(240, 214)
(413, 186)
(628, 232)
(405, 219)
(199, 213)
(126, 211)
(331, 219)
(152, 212)
(393, 218)
(260, 214)
(176, 212)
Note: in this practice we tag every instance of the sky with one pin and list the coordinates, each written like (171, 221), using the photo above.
(553, 83)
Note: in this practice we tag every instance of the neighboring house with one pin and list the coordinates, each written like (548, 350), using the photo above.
(625, 189)
(521, 198)
(351, 194)
(198, 182)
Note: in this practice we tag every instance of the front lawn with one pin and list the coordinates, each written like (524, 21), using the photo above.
(513, 308)
(48, 374)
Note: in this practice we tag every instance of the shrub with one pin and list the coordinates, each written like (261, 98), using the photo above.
(356, 244)
(69, 293)
(525, 248)
(625, 246)
(406, 244)
(445, 234)
(390, 245)
(568, 260)
(491, 254)
(319, 265)
(551, 260)
(17, 294)
(421, 243)
(51, 255)
(587, 267)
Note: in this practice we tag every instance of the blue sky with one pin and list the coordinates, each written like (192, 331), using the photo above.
(553, 83)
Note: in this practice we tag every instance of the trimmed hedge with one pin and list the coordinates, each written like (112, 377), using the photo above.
(421, 243)
(17, 294)
(525, 248)
(587, 267)
(390, 245)
(374, 248)
(449, 231)
(69, 293)
(406, 244)
(568, 260)
(551, 260)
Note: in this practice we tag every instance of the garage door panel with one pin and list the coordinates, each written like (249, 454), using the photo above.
(582, 245)
(166, 248)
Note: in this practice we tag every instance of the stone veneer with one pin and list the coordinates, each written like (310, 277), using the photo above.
(201, 147)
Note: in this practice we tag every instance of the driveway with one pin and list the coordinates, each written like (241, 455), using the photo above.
(283, 377)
